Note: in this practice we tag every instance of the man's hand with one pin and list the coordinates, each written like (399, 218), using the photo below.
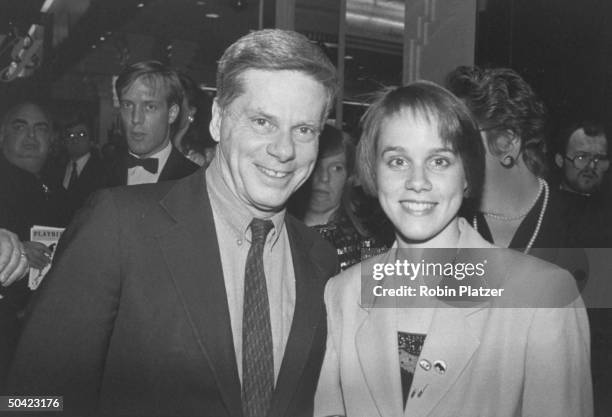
(13, 258)
(38, 254)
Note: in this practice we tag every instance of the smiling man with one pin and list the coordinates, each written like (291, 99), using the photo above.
(200, 296)
(150, 95)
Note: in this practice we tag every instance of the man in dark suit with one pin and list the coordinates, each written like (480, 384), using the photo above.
(150, 95)
(171, 299)
(83, 172)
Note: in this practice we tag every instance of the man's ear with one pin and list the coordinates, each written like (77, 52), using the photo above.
(215, 122)
(173, 113)
(559, 160)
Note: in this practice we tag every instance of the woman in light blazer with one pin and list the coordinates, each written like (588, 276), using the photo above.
(521, 350)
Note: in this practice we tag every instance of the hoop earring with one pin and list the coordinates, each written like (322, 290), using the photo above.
(508, 161)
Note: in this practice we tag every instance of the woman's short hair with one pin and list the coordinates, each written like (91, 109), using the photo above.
(333, 141)
(501, 101)
(273, 50)
(154, 74)
(436, 105)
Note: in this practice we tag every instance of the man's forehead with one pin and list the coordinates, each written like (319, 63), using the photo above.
(152, 88)
(580, 141)
(30, 113)
(77, 128)
(253, 86)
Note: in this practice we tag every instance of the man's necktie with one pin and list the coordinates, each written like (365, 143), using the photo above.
(150, 164)
(257, 351)
(74, 175)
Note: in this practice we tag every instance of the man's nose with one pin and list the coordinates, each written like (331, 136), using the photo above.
(137, 115)
(282, 147)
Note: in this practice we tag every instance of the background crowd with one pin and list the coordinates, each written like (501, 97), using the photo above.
(542, 187)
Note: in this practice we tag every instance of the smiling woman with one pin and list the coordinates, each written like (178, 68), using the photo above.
(421, 153)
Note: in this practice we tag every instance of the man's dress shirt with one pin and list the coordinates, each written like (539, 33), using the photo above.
(232, 220)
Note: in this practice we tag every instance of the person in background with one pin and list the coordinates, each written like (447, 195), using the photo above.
(582, 157)
(421, 154)
(582, 160)
(518, 209)
(192, 137)
(150, 96)
(83, 172)
(199, 296)
(330, 201)
(25, 200)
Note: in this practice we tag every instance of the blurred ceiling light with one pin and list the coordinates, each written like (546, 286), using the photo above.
(212, 15)
(46, 6)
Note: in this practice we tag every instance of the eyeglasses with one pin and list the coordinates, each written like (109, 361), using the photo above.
(74, 137)
(582, 160)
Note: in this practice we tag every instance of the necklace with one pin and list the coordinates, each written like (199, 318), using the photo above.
(522, 215)
(544, 186)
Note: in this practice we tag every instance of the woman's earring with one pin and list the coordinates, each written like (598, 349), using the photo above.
(190, 118)
(508, 161)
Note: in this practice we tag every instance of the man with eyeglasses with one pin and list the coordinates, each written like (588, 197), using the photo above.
(84, 171)
(583, 157)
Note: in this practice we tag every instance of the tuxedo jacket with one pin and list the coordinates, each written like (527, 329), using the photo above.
(523, 354)
(133, 318)
(177, 166)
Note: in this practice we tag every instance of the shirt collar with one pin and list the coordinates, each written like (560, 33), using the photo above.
(81, 161)
(162, 155)
(232, 210)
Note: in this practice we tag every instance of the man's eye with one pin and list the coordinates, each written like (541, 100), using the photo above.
(305, 130)
(338, 168)
(306, 133)
(126, 105)
(18, 127)
(261, 122)
(151, 107)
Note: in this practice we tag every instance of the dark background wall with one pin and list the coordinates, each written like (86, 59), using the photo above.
(561, 47)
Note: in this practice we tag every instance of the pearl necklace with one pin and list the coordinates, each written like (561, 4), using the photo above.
(543, 185)
(519, 216)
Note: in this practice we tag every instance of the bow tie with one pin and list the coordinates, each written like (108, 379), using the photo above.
(150, 164)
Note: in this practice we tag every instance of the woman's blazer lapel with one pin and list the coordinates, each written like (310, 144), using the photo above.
(449, 346)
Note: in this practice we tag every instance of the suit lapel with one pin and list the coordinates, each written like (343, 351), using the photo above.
(306, 317)
(191, 251)
(377, 349)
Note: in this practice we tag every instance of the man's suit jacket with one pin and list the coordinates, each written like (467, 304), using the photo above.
(93, 177)
(177, 166)
(133, 318)
(503, 358)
